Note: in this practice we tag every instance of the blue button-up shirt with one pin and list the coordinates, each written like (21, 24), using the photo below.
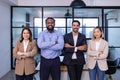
(46, 42)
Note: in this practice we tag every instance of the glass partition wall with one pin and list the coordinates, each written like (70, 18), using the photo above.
(112, 28)
(89, 17)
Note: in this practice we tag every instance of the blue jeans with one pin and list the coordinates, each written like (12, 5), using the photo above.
(96, 73)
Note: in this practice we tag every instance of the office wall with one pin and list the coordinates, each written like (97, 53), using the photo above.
(5, 54)
(106, 2)
(10, 2)
(67, 2)
(49, 2)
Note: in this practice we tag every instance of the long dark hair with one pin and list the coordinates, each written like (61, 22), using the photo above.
(26, 28)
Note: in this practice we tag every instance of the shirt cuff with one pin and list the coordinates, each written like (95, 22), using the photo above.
(30, 54)
(19, 57)
(75, 50)
(52, 43)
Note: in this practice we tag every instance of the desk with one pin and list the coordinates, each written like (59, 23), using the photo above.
(64, 72)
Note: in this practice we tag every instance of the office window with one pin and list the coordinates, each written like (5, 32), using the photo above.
(87, 25)
(37, 22)
(60, 24)
(112, 27)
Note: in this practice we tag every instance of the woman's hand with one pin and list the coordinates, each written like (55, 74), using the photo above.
(100, 53)
(20, 53)
(27, 54)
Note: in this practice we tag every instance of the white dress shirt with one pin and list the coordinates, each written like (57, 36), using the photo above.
(75, 41)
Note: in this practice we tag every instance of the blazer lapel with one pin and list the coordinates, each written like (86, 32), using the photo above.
(21, 46)
(93, 44)
(100, 46)
(71, 39)
(29, 46)
(78, 39)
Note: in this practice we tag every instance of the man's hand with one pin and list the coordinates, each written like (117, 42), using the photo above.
(56, 42)
(84, 47)
(68, 45)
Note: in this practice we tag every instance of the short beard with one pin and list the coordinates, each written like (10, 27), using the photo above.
(75, 31)
(50, 29)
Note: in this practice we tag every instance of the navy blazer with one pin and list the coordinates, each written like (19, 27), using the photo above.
(68, 52)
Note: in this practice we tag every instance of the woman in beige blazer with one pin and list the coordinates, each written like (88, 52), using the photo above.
(24, 52)
(97, 54)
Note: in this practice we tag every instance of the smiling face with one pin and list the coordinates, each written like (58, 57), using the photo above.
(50, 24)
(75, 27)
(26, 34)
(97, 33)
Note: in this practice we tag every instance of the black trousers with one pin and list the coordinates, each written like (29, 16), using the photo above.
(75, 70)
(50, 67)
(24, 77)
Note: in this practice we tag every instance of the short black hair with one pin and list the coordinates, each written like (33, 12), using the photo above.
(76, 21)
(50, 18)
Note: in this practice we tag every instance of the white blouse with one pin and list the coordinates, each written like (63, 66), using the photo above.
(97, 43)
(25, 44)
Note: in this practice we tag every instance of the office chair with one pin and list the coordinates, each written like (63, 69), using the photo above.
(112, 67)
(37, 61)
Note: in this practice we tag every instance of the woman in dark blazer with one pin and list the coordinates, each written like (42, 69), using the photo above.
(24, 52)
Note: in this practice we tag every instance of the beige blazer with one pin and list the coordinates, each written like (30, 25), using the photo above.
(102, 59)
(25, 66)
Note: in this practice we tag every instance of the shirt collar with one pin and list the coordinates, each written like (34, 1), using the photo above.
(48, 31)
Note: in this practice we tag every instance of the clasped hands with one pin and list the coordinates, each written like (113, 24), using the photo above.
(23, 54)
(99, 54)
